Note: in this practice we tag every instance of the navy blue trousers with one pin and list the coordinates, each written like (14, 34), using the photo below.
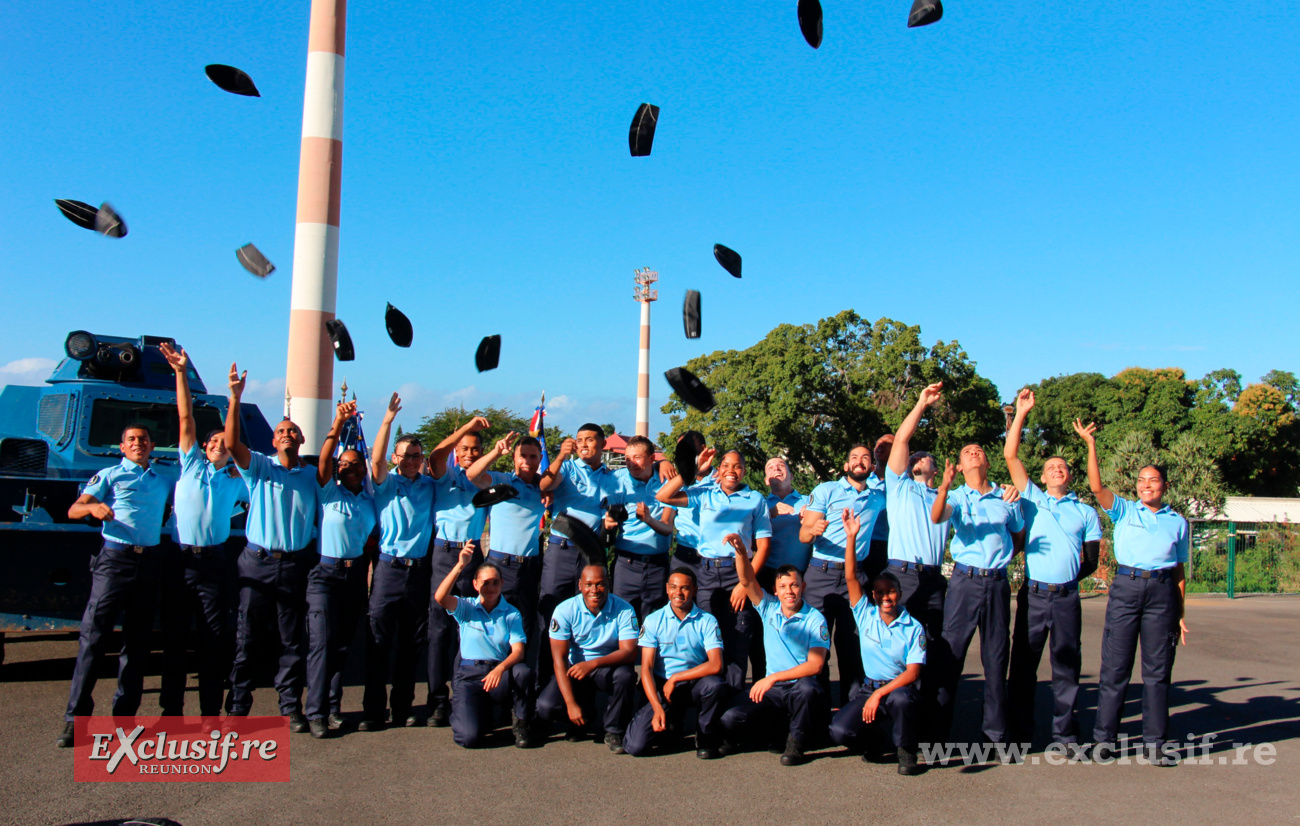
(473, 709)
(1144, 610)
(826, 589)
(617, 682)
(561, 570)
(801, 705)
(707, 694)
(397, 628)
(444, 633)
(336, 601)
(194, 586)
(121, 582)
(974, 603)
(642, 581)
(272, 597)
(1043, 616)
(899, 710)
(715, 579)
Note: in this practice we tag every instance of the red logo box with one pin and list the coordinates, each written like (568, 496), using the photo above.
(181, 749)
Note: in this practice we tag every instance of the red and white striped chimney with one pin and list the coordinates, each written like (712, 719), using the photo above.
(310, 371)
(645, 293)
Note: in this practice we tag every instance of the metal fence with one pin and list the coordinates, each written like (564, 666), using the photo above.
(1245, 558)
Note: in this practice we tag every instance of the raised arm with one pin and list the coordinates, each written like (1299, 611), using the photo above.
(238, 450)
(941, 510)
(664, 526)
(671, 493)
(444, 596)
(438, 459)
(551, 477)
(379, 452)
(745, 571)
(325, 465)
(1011, 450)
(901, 448)
(180, 362)
(478, 472)
(852, 524)
(1105, 496)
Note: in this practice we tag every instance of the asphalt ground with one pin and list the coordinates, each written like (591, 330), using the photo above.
(1237, 679)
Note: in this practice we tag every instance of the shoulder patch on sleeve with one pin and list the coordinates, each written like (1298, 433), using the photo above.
(555, 625)
(93, 480)
(826, 635)
(921, 640)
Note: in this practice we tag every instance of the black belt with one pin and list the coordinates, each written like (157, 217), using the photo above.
(403, 561)
(481, 663)
(516, 559)
(1052, 587)
(874, 684)
(135, 549)
(658, 559)
(562, 543)
(914, 566)
(1138, 573)
(825, 565)
(340, 562)
(991, 573)
(451, 546)
(263, 553)
(718, 562)
(198, 550)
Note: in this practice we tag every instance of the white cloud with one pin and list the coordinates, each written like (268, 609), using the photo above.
(267, 395)
(27, 371)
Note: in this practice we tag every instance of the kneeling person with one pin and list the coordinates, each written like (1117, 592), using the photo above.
(593, 648)
(681, 664)
(796, 642)
(893, 651)
(491, 667)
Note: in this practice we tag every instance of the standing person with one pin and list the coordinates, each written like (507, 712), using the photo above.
(516, 528)
(784, 508)
(878, 556)
(279, 554)
(893, 651)
(1060, 529)
(986, 534)
(796, 640)
(641, 547)
(195, 572)
(593, 648)
(336, 586)
(724, 508)
(826, 588)
(399, 611)
(687, 522)
(490, 669)
(1145, 603)
(129, 499)
(457, 524)
(681, 664)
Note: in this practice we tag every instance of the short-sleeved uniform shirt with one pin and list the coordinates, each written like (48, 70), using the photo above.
(453, 507)
(487, 635)
(888, 648)
(786, 549)
(346, 520)
(1055, 530)
(881, 532)
(912, 536)
(593, 635)
(680, 644)
(517, 523)
(687, 522)
(205, 499)
(138, 497)
(830, 499)
(405, 509)
(281, 504)
(1145, 540)
(982, 526)
(581, 493)
(743, 512)
(637, 537)
(787, 640)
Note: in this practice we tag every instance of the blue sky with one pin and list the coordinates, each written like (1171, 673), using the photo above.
(1060, 187)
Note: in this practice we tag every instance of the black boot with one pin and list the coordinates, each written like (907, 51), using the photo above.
(793, 754)
(907, 764)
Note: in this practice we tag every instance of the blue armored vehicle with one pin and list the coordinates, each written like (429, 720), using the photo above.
(54, 438)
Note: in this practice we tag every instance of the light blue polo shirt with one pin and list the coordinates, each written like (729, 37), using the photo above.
(687, 522)
(637, 537)
(593, 635)
(720, 513)
(982, 526)
(346, 521)
(453, 507)
(205, 500)
(786, 549)
(680, 644)
(487, 636)
(405, 509)
(1145, 540)
(912, 536)
(581, 493)
(1056, 531)
(888, 648)
(517, 523)
(830, 499)
(787, 640)
(881, 532)
(137, 496)
(281, 504)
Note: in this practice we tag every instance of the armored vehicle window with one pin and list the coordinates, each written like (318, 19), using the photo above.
(54, 417)
(109, 416)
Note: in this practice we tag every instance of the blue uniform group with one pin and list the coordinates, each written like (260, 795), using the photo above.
(640, 552)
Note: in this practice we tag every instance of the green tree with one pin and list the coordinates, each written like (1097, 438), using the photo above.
(433, 429)
(1285, 381)
(1195, 483)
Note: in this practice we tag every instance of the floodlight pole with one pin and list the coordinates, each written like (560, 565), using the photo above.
(644, 293)
(309, 375)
